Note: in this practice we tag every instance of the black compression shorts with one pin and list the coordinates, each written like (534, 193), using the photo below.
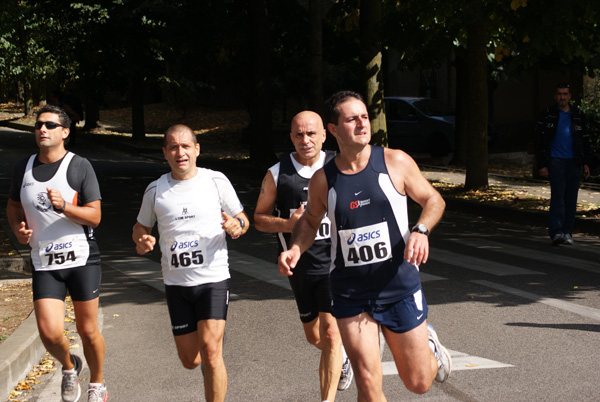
(83, 283)
(312, 295)
(188, 305)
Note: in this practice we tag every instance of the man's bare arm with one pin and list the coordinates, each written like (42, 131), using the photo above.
(263, 214)
(407, 179)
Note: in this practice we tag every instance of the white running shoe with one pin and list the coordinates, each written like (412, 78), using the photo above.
(568, 240)
(558, 239)
(70, 389)
(441, 354)
(346, 376)
(98, 393)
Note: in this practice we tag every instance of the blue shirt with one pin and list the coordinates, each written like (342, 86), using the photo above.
(562, 144)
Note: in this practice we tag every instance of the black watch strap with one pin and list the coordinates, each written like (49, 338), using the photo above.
(420, 228)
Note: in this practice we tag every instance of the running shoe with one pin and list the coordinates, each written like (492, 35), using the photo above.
(558, 239)
(441, 354)
(70, 389)
(568, 240)
(346, 376)
(97, 393)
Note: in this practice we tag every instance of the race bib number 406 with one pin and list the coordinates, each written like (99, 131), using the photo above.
(366, 245)
(186, 252)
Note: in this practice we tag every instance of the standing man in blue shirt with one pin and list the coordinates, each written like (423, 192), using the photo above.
(562, 148)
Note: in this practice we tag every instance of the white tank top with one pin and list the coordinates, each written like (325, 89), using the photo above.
(56, 241)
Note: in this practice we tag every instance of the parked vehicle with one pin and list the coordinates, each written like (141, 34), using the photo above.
(420, 125)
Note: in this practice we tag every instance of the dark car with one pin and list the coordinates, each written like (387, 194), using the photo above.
(420, 125)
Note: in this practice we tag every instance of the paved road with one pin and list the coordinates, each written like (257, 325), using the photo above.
(522, 318)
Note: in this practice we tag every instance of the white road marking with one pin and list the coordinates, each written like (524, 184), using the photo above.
(532, 254)
(460, 362)
(478, 264)
(584, 311)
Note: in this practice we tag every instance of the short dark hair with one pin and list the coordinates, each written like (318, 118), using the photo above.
(63, 117)
(332, 112)
(176, 128)
(563, 85)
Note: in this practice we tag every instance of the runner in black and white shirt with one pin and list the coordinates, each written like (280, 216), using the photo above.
(193, 208)
(284, 190)
(54, 205)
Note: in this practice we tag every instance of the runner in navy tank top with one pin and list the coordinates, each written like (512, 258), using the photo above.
(374, 272)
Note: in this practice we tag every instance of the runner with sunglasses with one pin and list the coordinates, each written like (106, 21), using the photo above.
(54, 204)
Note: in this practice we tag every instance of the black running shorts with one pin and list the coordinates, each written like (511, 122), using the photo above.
(83, 283)
(312, 294)
(188, 305)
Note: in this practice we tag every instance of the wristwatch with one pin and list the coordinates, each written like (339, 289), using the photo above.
(242, 223)
(420, 228)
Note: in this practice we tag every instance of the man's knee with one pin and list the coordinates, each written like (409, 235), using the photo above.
(418, 385)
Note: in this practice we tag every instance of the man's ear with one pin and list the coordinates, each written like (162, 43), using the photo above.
(332, 129)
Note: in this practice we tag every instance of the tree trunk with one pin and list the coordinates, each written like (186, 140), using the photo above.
(138, 128)
(260, 130)
(315, 56)
(370, 21)
(477, 151)
(461, 127)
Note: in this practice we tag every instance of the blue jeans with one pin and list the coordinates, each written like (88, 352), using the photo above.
(565, 175)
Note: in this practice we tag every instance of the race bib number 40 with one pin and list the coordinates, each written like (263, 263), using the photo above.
(186, 252)
(366, 245)
(324, 231)
(66, 252)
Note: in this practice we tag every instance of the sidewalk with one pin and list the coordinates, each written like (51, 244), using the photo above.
(23, 349)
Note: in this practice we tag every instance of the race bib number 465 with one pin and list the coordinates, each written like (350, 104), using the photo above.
(186, 252)
(366, 245)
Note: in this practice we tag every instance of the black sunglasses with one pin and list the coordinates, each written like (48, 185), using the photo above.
(50, 125)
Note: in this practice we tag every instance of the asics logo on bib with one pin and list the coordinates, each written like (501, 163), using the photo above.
(360, 237)
(184, 244)
(58, 246)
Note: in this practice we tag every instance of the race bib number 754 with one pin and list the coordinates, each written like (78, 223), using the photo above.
(366, 245)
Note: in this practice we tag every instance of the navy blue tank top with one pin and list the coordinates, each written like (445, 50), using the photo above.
(369, 221)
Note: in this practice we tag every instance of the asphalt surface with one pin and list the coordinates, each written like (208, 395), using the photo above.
(266, 355)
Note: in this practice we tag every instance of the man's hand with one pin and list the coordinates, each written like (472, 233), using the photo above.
(417, 249)
(288, 260)
(56, 199)
(295, 217)
(24, 234)
(145, 244)
(544, 172)
(586, 171)
(231, 225)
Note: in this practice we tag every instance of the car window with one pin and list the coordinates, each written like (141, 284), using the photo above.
(433, 107)
(399, 110)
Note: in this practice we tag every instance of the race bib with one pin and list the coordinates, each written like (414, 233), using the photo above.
(366, 245)
(65, 252)
(186, 252)
(324, 231)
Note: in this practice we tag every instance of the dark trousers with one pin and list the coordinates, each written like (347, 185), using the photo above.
(565, 176)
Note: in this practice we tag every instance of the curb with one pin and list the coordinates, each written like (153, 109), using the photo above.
(18, 354)
(585, 225)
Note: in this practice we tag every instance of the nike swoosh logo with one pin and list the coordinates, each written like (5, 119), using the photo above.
(95, 291)
(419, 317)
(355, 194)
